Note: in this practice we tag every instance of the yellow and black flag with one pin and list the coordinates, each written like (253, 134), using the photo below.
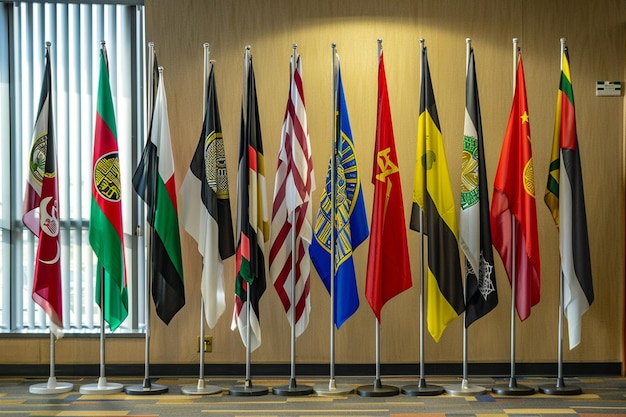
(432, 193)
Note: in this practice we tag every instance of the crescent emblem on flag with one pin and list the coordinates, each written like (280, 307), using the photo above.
(56, 257)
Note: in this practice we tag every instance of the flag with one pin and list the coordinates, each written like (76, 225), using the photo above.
(432, 193)
(566, 200)
(350, 227)
(481, 294)
(155, 182)
(292, 213)
(205, 210)
(147, 169)
(106, 235)
(513, 209)
(388, 267)
(41, 208)
(252, 216)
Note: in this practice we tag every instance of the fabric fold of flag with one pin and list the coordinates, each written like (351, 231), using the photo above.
(205, 207)
(155, 172)
(349, 225)
(513, 207)
(481, 294)
(252, 217)
(106, 235)
(41, 208)
(565, 198)
(292, 214)
(432, 194)
(388, 267)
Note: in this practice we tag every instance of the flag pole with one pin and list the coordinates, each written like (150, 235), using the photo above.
(201, 388)
(148, 388)
(102, 386)
(559, 388)
(247, 389)
(422, 388)
(464, 388)
(377, 389)
(293, 388)
(332, 388)
(52, 386)
(513, 388)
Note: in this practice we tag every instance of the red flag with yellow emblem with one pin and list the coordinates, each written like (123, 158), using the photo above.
(513, 207)
(388, 269)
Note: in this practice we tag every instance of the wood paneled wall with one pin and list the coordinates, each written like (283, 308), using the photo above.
(595, 33)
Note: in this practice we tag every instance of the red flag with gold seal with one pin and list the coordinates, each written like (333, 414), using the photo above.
(513, 207)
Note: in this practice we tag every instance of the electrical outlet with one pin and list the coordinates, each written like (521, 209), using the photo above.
(207, 346)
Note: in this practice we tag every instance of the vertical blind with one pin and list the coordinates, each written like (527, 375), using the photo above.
(75, 32)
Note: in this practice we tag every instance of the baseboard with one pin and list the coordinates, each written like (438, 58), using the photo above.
(313, 370)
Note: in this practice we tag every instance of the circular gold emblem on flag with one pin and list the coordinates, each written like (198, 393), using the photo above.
(529, 178)
(215, 165)
(37, 161)
(106, 177)
(469, 173)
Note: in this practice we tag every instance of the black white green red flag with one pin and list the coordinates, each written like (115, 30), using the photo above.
(252, 217)
(155, 172)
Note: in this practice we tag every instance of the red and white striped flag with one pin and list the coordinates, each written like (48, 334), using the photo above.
(292, 205)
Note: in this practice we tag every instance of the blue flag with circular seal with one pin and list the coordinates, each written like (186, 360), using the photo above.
(350, 227)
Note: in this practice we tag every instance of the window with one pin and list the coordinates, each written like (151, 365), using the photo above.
(75, 31)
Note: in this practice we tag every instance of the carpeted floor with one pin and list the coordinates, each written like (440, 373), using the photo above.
(601, 396)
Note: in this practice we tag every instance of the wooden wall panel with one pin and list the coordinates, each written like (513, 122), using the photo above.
(596, 40)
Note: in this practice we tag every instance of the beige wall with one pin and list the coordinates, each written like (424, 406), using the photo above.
(595, 32)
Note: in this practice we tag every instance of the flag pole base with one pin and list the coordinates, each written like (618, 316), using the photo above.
(422, 389)
(102, 387)
(513, 389)
(464, 388)
(377, 389)
(148, 388)
(559, 388)
(51, 387)
(247, 390)
(333, 389)
(293, 389)
(201, 389)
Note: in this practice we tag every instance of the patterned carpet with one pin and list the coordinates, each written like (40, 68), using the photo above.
(600, 397)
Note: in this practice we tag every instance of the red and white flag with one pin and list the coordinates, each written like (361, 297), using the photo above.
(41, 209)
(291, 228)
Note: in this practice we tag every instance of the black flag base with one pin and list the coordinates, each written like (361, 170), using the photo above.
(293, 389)
(247, 390)
(464, 388)
(560, 388)
(377, 389)
(51, 387)
(422, 389)
(513, 389)
(147, 388)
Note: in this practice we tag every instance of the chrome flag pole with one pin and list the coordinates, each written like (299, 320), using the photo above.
(201, 388)
(332, 388)
(422, 388)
